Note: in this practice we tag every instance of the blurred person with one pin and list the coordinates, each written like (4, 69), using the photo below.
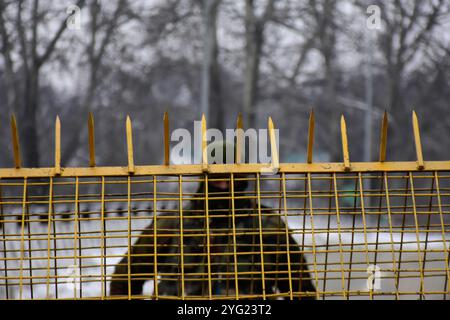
(222, 264)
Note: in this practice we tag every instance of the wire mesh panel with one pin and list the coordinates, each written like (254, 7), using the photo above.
(308, 235)
(372, 230)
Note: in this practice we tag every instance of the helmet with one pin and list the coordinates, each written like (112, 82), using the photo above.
(219, 151)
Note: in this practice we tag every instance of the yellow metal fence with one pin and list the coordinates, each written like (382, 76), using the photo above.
(377, 230)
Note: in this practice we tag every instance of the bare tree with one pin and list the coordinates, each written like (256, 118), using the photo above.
(211, 88)
(144, 74)
(254, 36)
(11, 83)
(23, 91)
(408, 33)
(101, 31)
(323, 14)
(409, 25)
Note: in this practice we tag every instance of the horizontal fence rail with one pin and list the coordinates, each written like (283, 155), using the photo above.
(348, 230)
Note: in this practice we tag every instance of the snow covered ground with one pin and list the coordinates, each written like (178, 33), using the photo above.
(93, 269)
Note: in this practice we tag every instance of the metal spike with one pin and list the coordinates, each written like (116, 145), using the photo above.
(91, 140)
(130, 145)
(420, 162)
(166, 139)
(345, 144)
(15, 141)
(310, 137)
(383, 138)
(57, 146)
(273, 144)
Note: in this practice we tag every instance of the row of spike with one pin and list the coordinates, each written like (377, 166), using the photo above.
(239, 142)
(383, 141)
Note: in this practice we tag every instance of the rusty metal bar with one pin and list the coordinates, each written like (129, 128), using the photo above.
(22, 236)
(288, 251)
(261, 241)
(313, 236)
(155, 241)
(130, 145)
(57, 146)
(345, 144)
(442, 225)
(77, 234)
(383, 138)
(420, 162)
(391, 233)
(103, 237)
(338, 221)
(15, 141)
(129, 267)
(208, 237)
(416, 225)
(233, 218)
(49, 225)
(325, 167)
(363, 213)
(181, 231)
(273, 144)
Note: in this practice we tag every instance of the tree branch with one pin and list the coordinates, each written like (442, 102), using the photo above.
(22, 38)
(34, 30)
(109, 31)
(41, 59)
(9, 66)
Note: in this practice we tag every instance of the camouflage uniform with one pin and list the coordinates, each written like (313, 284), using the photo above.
(222, 258)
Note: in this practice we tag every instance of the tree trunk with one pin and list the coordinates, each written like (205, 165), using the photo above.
(211, 88)
(331, 105)
(325, 19)
(215, 99)
(254, 42)
(29, 135)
